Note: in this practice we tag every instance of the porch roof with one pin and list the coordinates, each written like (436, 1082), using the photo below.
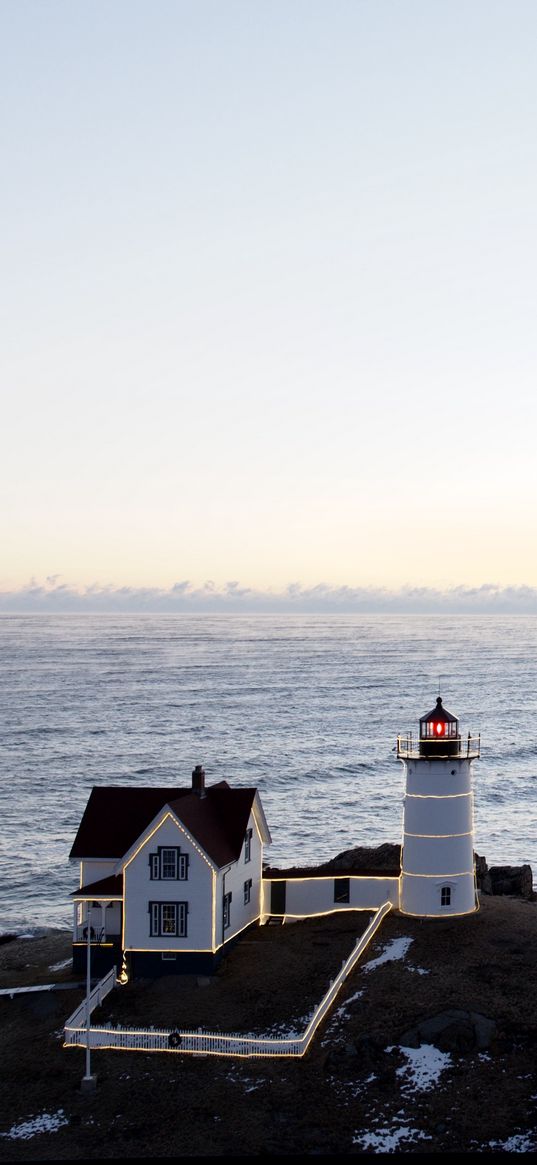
(111, 887)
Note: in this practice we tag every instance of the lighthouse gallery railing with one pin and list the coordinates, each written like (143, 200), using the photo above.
(468, 747)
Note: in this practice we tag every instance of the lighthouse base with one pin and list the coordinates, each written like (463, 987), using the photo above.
(423, 896)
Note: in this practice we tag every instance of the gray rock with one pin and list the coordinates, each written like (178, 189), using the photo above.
(481, 872)
(381, 857)
(452, 1031)
(515, 880)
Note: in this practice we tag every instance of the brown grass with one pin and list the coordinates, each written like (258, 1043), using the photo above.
(174, 1105)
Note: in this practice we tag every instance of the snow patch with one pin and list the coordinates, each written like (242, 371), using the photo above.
(424, 1067)
(343, 1007)
(61, 966)
(395, 949)
(46, 1123)
(388, 1140)
(518, 1143)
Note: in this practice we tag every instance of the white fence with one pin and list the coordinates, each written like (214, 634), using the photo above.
(210, 1043)
(100, 991)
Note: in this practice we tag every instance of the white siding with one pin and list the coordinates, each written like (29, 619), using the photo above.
(196, 890)
(441, 778)
(422, 896)
(94, 869)
(438, 800)
(306, 897)
(113, 919)
(438, 816)
(233, 880)
(438, 855)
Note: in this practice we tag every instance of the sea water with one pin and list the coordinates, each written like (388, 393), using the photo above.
(306, 708)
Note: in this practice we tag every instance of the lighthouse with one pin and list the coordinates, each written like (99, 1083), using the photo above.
(437, 861)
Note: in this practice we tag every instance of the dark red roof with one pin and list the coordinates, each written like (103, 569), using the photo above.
(113, 886)
(114, 818)
(218, 820)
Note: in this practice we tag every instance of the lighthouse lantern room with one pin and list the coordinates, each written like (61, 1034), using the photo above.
(437, 866)
(439, 732)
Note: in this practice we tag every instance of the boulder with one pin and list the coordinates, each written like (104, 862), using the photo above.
(452, 1031)
(515, 880)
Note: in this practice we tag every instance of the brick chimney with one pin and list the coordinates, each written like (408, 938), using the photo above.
(198, 781)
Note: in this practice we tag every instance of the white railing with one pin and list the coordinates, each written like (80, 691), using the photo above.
(211, 1043)
(78, 1019)
(468, 747)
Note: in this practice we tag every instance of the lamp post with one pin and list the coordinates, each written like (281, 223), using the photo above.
(89, 1082)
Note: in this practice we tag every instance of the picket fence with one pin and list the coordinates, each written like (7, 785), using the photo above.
(209, 1043)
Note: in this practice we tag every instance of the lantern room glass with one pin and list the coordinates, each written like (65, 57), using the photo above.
(428, 730)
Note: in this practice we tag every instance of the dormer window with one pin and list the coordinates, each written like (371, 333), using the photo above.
(248, 845)
(168, 864)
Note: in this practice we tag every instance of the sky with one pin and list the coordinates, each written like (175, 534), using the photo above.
(268, 299)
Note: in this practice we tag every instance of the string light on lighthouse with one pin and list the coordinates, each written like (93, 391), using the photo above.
(440, 774)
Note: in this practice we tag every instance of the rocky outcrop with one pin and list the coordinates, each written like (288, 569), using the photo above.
(380, 857)
(452, 1031)
(514, 880)
(481, 871)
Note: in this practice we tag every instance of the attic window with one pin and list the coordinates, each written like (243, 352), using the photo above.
(168, 864)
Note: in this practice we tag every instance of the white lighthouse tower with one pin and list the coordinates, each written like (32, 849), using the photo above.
(437, 861)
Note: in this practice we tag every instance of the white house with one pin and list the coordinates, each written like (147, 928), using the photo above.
(169, 878)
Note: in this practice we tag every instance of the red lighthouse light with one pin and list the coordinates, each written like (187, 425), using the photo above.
(440, 729)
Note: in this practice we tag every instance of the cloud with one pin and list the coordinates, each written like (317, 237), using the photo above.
(183, 596)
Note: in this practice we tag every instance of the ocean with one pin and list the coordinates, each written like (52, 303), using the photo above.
(306, 708)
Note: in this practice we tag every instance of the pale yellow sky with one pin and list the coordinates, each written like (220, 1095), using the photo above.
(269, 317)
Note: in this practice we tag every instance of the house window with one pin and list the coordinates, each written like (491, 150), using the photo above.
(445, 896)
(341, 889)
(247, 891)
(168, 919)
(168, 864)
(248, 845)
(227, 910)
